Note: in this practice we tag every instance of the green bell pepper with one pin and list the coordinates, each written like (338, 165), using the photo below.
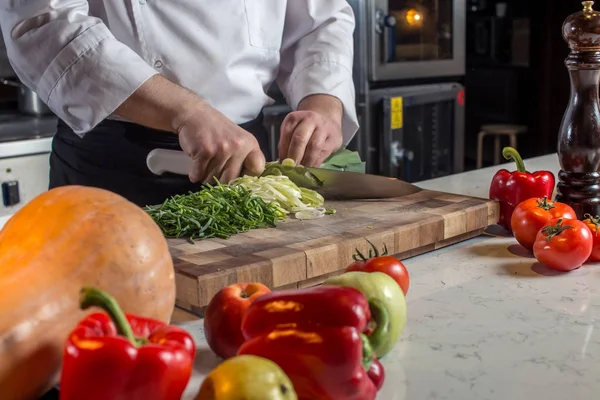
(377, 285)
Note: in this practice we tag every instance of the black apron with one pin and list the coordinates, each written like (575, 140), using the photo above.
(112, 156)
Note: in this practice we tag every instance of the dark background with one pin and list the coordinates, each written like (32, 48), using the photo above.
(535, 95)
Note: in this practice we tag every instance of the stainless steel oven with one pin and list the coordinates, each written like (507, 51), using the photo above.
(409, 39)
(413, 50)
(25, 145)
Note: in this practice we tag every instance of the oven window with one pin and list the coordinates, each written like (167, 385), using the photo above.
(423, 30)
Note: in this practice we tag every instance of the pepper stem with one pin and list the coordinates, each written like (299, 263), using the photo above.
(554, 230)
(381, 317)
(367, 353)
(511, 153)
(91, 296)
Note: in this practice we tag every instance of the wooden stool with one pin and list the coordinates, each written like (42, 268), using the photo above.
(497, 131)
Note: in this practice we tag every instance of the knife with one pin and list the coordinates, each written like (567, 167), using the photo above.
(331, 184)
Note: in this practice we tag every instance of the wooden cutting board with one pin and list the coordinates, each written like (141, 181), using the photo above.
(304, 253)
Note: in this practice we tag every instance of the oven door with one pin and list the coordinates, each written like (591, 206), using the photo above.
(416, 39)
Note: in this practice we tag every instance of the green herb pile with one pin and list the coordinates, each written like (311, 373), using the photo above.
(218, 211)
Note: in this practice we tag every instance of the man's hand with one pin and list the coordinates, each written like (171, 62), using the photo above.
(218, 147)
(312, 133)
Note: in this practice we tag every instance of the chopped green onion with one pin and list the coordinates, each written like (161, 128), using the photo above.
(215, 211)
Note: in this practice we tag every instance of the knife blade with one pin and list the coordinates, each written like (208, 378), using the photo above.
(345, 185)
(333, 184)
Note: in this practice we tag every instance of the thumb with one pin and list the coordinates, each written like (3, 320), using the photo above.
(254, 164)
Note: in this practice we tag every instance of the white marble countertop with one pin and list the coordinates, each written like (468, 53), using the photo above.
(485, 323)
(3, 220)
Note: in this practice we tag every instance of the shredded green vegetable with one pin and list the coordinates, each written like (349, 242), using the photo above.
(250, 202)
(280, 191)
(215, 211)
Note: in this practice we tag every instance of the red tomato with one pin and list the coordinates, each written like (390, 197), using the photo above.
(563, 244)
(381, 263)
(532, 214)
(594, 224)
(223, 317)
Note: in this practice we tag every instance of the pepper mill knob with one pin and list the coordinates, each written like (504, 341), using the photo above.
(581, 30)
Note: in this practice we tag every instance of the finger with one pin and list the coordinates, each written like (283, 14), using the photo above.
(288, 126)
(300, 139)
(231, 170)
(331, 146)
(314, 149)
(215, 169)
(199, 162)
(199, 169)
(254, 163)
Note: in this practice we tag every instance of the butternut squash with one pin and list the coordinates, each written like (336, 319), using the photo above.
(64, 239)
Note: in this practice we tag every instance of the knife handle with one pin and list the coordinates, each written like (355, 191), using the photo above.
(160, 161)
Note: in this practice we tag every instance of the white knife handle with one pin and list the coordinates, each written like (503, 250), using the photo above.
(160, 161)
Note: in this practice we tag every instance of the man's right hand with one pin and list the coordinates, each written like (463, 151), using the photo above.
(218, 147)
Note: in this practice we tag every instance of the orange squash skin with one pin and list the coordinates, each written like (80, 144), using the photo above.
(64, 239)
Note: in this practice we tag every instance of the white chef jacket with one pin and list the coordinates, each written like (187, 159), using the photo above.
(86, 57)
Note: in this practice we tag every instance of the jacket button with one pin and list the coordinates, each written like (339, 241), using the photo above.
(158, 64)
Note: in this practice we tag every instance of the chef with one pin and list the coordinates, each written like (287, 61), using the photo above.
(125, 77)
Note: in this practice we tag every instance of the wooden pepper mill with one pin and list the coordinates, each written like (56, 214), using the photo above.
(579, 136)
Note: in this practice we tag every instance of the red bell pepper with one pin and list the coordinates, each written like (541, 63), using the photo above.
(117, 356)
(377, 373)
(316, 336)
(512, 188)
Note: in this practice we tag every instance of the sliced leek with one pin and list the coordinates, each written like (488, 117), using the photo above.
(280, 191)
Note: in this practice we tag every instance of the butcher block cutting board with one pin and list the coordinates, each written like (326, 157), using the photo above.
(305, 253)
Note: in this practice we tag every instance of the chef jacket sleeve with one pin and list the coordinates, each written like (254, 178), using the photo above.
(317, 55)
(70, 59)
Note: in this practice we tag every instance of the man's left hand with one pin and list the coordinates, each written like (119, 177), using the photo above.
(312, 133)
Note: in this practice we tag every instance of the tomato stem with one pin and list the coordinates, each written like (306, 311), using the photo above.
(510, 153)
(373, 252)
(554, 230)
(594, 220)
(545, 203)
(372, 248)
(358, 256)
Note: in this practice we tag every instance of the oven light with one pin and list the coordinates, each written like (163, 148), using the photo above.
(413, 17)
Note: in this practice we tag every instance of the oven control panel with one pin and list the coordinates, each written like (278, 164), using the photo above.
(10, 193)
(21, 180)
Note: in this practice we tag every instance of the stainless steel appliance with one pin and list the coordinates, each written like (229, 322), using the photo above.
(407, 47)
(25, 145)
(28, 101)
(408, 39)
(395, 43)
(420, 131)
